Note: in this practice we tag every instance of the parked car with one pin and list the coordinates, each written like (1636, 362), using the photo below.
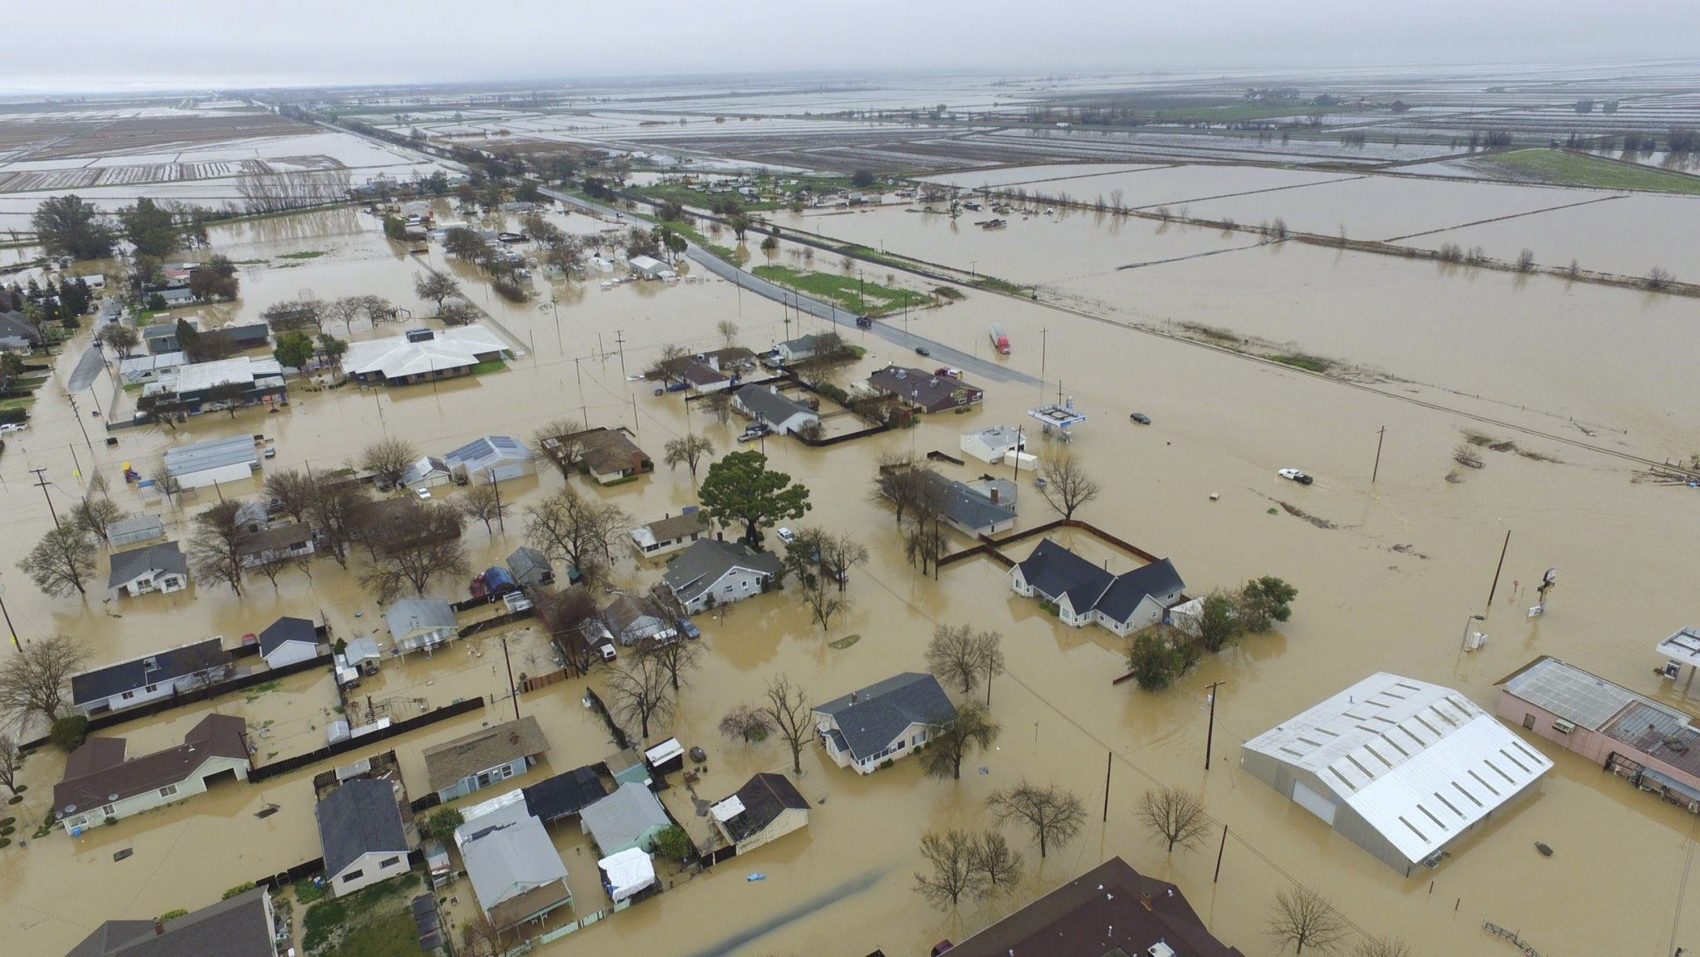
(13, 427)
(922, 351)
(1140, 418)
(753, 432)
(608, 652)
(948, 372)
(689, 629)
(863, 322)
(423, 493)
(785, 534)
(1295, 475)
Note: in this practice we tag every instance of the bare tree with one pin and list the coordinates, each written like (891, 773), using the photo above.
(959, 654)
(1055, 816)
(483, 502)
(997, 863)
(1383, 946)
(720, 405)
(951, 874)
(1659, 278)
(576, 529)
(1302, 917)
(903, 483)
(333, 511)
(951, 739)
(787, 709)
(33, 682)
(1177, 815)
(803, 563)
(566, 614)
(436, 286)
(389, 459)
(60, 561)
(294, 491)
(565, 454)
(747, 723)
(120, 336)
(1526, 261)
(688, 450)
(411, 549)
(728, 331)
(11, 758)
(838, 553)
(215, 548)
(457, 312)
(923, 537)
(1067, 486)
(640, 692)
(672, 362)
(677, 657)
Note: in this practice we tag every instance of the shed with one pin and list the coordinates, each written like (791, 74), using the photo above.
(648, 267)
(626, 873)
(135, 528)
(626, 767)
(766, 808)
(530, 567)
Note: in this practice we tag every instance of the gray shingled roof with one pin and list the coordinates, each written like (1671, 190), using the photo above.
(768, 406)
(166, 556)
(1056, 571)
(167, 665)
(360, 817)
(706, 560)
(1130, 588)
(966, 506)
(880, 712)
(231, 928)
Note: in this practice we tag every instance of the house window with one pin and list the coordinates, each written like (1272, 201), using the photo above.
(353, 876)
(151, 689)
(389, 862)
(168, 790)
(1529, 722)
(109, 810)
(127, 695)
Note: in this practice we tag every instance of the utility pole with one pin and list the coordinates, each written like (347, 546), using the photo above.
(1219, 851)
(500, 519)
(1043, 334)
(74, 411)
(41, 483)
(1210, 732)
(1380, 434)
(8, 616)
(1109, 763)
(76, 465)
(634, 416)
(620, 340)
(1497, 569)
(512, 691)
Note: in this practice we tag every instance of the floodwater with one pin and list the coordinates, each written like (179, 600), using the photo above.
(1407, 560)
(1157, 185)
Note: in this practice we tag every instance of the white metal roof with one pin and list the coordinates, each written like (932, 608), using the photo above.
(241, 370)
(1684, 646)
(396, 357)
(1419, 762)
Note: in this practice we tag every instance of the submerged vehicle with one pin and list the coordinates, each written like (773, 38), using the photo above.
(1295, 475)
(1000, 341)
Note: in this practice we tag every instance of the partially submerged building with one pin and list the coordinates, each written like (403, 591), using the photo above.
(421, 624)
(422, 355)
(154, 568)
(924, 391)
(670, 533)
(628, 818)
(780, 414)
(100, 785)
(633, 618)
(363, 834)
(610, 456)
(986, 507)
(134, 529)
(564, 795)
(162, 674)
(475, 761)
(765, 809)
(883, 722)
(1084, 593)
(712, 572)
(241, 926)
(221, 384)
(207, 463)
(991, 445)
(491, 458)
(289, 640)
(1403, 768)
(512, 864)
(283, 542)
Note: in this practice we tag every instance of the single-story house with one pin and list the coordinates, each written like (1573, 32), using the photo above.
(132, 529)
(712, 572)
(610, 456)
(670, 533)
(161, 568)
(173, 295)
(782, 415)
(16, 326)
(275, 544)
(990, 445)
(648, 267)
(421, 624)
(807, 347)
(428, 472)
(703, 378)
(240, 926)
(253, 335)
(150, 368)
(765, 809)
(162, 674)
(531, 568)
(882, 722)
(513, 866)
(923, 390)
(221, 383)
(984, 508)
(565, 794)
(1085, 593)
(475, 761)
(422, 355)
(100, 784)
(628, 818)
(160, 337)
(632, 619)
(1403, 768)
(208, 463)
(362, 834)
(289, 640)
(731, 360)
(498, 457)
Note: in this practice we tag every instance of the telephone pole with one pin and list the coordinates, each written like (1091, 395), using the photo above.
(41, 483)
(1210, 733)
(500, 518)
(620, 341)
(512, 691)
(1380, 434)
(8, 616)
(1497, 569)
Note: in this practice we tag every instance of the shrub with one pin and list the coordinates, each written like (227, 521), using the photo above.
(675, 843)
(11, 416)
(173, 914)
(239, 889)
(68, 732)
(442, 824)
(1154, 664)
(510, 290)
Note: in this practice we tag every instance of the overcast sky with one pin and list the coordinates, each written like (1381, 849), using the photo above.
(135, 44)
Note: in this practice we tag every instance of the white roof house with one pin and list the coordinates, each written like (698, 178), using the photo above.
(1402, 767)
(649, 267)
(401, 358)
(992, 444)
(242, 370)
(514, 868)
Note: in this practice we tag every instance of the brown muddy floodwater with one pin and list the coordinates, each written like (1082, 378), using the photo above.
(1389, 586)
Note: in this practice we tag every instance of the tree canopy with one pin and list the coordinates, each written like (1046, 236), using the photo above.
(69, 226)
(741, 488)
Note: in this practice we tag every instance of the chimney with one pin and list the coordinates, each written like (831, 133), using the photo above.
(994, 495)
(158, 927)
(1146, 900)
(854, 696)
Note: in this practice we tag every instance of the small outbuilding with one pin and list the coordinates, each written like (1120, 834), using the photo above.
(209, 463)
(134, 529)
(530, 567)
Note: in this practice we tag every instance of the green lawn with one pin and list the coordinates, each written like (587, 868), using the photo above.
(847, 291)
(492, 365)
(1580, 169)
(391, 936)
(366, 923)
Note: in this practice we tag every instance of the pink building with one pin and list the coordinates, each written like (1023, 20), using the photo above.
(1655, 746)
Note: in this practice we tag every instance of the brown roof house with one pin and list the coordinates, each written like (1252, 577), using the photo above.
(457, 768)
(99, 784)
(924, 390)
(671, 533)
(632, 619)
(240, 926)
(1111, 909)
(765, 809)
(610, 457)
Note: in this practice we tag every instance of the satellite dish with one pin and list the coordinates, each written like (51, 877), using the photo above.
(112, 797)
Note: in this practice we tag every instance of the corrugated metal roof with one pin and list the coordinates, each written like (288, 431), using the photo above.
(188, 459)
(1419, 762)
(1571, 693)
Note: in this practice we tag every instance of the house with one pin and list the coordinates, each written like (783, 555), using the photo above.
(150, 368)
(17, 332)
(477, 760)
(530, 567)
(428, 472)
(132, 529)
(1085, 593)
(670, 533)
(99, 784)
(254, 335)
(162, 674)
(289, 640)
(513, 866)
(1404, 768)
(633, 619)
(358, 657)
(768, 407)
(362, 833)
(712, 572)
(240, 926)
(732, 360)
(992, 444)
(986, 508)
(765, 809)
(208, 463)
(648, 267)
(808, 347)
(924, 391)
(1654, 745)
(882, 722)
(703, 378)
(628, 818)
(160, 337)
(279, 543)
(222, 383)
(491, 458)
(421, 624)
(1111, 909)
(609, 456)
(627, 766)
(422, 355)
(173, 295)
(565, 794)
(155, 568)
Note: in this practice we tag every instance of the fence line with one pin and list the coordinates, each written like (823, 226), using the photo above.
(330, 751)
(1510, 935)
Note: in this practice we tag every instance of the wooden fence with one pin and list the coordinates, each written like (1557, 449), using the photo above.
(350, 744)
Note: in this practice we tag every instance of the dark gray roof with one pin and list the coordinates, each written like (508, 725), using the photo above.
(1056, 571)
(529, 565)
(167, 665)
(163, 330)
(768, 406)
(1130, 588)
(166, 556)
(237, 927)
(252, 334)
(810, 343)
(880, 712)
(15, 324)
(764, 798)
(705, 560)
(564, 794)
(965, 506)
(361, 817)
(286, 630)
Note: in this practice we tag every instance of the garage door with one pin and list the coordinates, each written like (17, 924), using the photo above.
(1313, 802)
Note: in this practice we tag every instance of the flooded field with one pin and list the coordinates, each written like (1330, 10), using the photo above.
(1386, 574)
